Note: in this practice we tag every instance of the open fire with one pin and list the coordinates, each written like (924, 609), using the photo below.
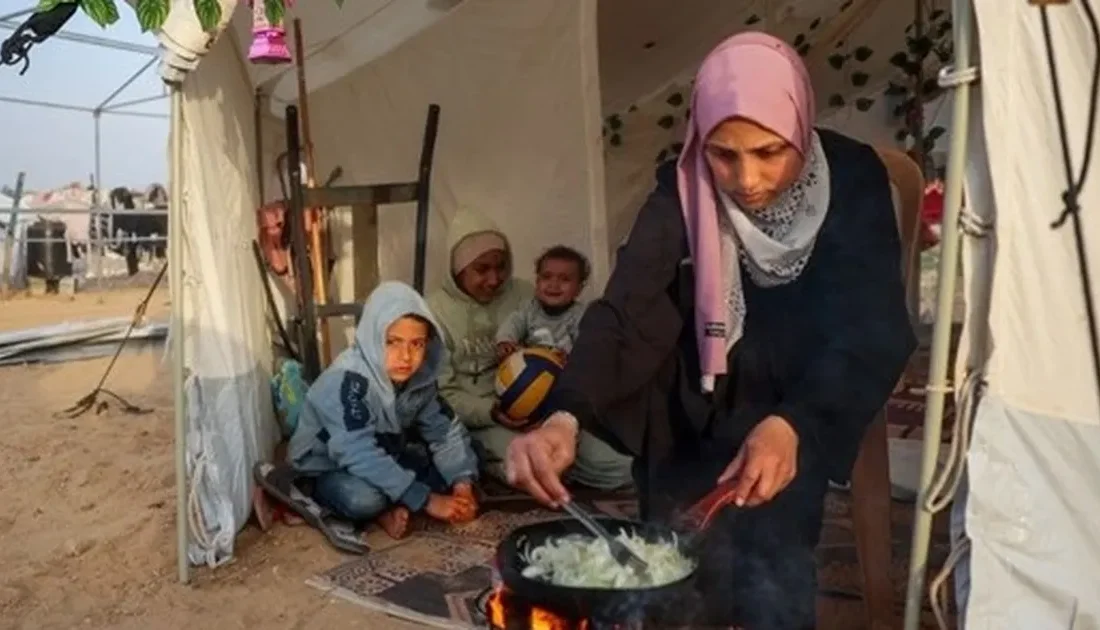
(507, 611)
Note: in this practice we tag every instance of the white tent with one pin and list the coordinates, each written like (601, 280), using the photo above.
(554, 113)
(1029, 502)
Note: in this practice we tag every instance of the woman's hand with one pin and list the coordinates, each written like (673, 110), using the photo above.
(765, 464)
(536, 460)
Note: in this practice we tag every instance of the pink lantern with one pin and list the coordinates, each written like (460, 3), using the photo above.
(268, 40)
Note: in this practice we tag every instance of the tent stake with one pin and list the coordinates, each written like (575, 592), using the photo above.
(175, 284)
(945, 306)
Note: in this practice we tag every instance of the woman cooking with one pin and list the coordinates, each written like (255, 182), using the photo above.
(754, 325)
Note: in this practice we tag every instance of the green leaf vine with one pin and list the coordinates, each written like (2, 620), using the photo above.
(152, 13)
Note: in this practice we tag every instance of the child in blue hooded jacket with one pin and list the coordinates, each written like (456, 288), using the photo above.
(373, 430)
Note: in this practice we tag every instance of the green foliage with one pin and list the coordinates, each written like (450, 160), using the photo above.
(152, 13)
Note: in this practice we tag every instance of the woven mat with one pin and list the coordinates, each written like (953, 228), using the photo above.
(436, 576)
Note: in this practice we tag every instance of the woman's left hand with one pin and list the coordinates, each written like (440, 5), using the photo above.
(765, 464)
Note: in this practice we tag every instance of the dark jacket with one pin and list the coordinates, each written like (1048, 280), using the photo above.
(824, 351)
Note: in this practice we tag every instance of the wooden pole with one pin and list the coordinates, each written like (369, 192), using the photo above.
(315, 223)
(258, 125)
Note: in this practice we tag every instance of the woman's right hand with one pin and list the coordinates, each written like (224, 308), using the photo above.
(537, 460)
(451, 508)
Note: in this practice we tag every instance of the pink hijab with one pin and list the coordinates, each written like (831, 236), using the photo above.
(760, 78)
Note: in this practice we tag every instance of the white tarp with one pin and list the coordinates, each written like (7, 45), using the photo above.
(523, 86)
(227, 350)
(1033, 503)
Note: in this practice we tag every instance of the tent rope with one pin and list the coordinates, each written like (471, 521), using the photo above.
(1071, 211)
(943, 488)
(39, 27)
(91, 400)
(196, 516)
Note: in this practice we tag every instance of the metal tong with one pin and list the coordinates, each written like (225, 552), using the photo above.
(623, 555)
(698, 516)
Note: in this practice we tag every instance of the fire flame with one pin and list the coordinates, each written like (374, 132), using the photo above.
(501, 616)
(538, 619)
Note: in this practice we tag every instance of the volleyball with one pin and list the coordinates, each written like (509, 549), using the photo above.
(523, 384)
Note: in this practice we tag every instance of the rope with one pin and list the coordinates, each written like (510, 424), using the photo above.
(1074, 184)
(195, 518)
(91, 400)
(39, 27)
(937, 588)
(220, 539)
(946, 483)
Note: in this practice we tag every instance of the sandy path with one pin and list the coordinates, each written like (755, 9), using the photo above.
(87, 536)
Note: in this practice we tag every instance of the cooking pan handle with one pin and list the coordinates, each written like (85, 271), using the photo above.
(700, 515)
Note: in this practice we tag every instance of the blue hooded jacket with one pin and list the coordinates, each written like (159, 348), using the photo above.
(355, 420)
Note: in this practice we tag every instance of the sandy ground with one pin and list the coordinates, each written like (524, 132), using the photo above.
(87, 536)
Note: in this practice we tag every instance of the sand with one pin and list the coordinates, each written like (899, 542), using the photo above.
(87, 533)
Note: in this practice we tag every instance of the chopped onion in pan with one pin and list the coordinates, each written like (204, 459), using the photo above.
(586, 562)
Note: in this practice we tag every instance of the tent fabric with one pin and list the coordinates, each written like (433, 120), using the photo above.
(1031, 516)
(648, 56)
(1030, 502)
(554, 115)
(511, 152)
(495, 151)
(1038, 308)
(227, 350)
(339, 40)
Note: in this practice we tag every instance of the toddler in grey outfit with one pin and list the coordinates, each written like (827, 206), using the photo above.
(550, 319)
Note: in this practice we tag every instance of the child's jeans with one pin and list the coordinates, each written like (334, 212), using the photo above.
(356, 500)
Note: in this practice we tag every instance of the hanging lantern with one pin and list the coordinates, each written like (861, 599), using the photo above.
(268, 40)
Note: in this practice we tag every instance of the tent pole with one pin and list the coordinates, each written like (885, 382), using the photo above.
(175, 280)
(97, 199)
(945, 306)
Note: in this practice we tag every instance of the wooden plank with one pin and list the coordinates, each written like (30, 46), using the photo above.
(360, 196)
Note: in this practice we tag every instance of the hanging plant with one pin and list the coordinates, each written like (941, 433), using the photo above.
(152, 13)
(915, 65)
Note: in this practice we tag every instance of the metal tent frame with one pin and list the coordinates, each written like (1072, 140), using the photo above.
(108, 105)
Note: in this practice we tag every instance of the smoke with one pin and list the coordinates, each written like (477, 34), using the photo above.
(753, 577)
(757, 566)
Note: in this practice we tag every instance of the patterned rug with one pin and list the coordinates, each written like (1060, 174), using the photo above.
(439, 576)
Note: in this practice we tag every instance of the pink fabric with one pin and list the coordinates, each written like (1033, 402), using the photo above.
(760, 78)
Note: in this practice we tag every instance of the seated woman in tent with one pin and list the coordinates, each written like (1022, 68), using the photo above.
(754, 325)
(478, 294)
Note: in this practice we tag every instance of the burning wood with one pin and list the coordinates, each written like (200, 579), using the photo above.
(506, 611)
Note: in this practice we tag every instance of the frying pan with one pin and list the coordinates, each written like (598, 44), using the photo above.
(654, 603)
(590, 603)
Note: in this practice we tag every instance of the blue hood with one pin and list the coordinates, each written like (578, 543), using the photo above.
(388, 303)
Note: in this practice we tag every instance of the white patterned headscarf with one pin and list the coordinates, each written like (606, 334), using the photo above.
(774, 244)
